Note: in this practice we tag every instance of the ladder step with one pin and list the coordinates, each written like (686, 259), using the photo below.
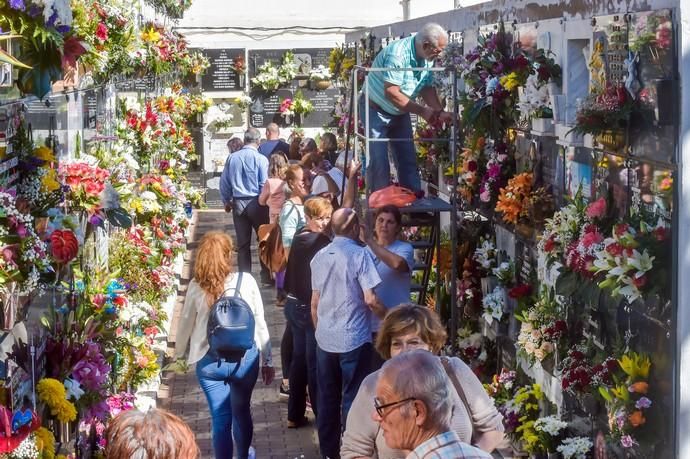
(419, 219)
(419, 266)
(416, 288)
(421, 244)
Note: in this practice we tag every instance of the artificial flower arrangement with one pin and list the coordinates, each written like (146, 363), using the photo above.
(24, 255)
(341, 60)
(172, 8)
(39, 184)
(471, 173)
(575, 447)
(320, 73)
(108, 31)
(627, 399)
(239, 64)
(542, 329)
(160, 50)
(194, 63)
(48, 41)
(298, 105)
(498, 166)
(269, 78)
(610, 109)
(476, 350)
(522, 411)
(534, 101)
(431, 140)
(485, 254)
(494, 305)
(492, 72)
(582, 375)
(243, 101)
(513, 199)
(652, 30)
(547, 431)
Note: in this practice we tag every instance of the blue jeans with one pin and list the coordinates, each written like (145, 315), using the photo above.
(340, 376)
(303, 364)
(228, 390)
(384, 125)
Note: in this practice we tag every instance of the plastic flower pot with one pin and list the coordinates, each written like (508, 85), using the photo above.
(543, 125)
(611, 140)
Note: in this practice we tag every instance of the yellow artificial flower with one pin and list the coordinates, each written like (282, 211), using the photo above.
(510, 82)
(44, 154)
(52, 392)
(151, 35)
(65, 411)
(45, 442)
(49, 182)
(635, 365)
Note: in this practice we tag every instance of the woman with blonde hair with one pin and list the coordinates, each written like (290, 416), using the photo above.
(273, 191)
(474, 417)
(228, 385)
(305, 244)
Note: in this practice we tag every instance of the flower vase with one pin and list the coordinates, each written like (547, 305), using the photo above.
(611, 140)
(9, 300)
(298, 119)
(549, 363)
(553, 89)
(543, 125)
(240, 79)
(322, 85)
(288, 119)
(558, 108)
(552, 455)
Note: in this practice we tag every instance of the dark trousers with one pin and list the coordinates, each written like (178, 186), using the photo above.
(340, 375)
(247, 214)
(303, 365)
(286, 345)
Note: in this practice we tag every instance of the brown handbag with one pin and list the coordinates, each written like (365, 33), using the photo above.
(271, 251)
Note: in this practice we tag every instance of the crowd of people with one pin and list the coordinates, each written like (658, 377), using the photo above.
(355, 350)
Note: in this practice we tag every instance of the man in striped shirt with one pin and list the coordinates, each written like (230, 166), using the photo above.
(392, 95)
(413, 408)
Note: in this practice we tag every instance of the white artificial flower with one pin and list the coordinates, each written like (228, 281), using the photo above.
(73, 389)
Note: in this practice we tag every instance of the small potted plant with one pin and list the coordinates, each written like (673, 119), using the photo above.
(320, 78)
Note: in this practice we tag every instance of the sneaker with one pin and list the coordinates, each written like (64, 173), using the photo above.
(251, 453)
(284, 392)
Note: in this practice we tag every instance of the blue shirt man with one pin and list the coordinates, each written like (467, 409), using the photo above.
(273, 144)
(245, 173)
(392, 95)
(343, 278)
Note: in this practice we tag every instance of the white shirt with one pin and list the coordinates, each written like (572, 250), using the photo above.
(194, 319)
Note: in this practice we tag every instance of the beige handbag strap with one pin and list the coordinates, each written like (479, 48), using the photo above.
(456, 383)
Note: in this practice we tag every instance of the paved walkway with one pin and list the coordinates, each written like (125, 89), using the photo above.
(181, 393)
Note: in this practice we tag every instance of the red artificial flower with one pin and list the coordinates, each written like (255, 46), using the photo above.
(615, 249)
(520, 291)
(549, 245)
(660, 233)
(597, 209)
(620, 229)
(102, 32)
(64, 246)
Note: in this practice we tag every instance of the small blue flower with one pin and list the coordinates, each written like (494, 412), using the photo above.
(17, 5)
(79, 286)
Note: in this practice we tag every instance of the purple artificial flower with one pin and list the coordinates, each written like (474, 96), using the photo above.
(643, 403)
(99, 410)
(52, 19)
(22, 231)
(627, 441)
(35, 11)
(92, 370)
(95, 220)
(63, 29)
(17, 5)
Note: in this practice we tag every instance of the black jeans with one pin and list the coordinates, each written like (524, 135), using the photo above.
(247, 214)
(303, 364)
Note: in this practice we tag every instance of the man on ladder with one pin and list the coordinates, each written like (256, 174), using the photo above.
(392, 95)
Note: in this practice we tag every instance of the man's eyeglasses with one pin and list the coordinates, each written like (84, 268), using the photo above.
(380, 407)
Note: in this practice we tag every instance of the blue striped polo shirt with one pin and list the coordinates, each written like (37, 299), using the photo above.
(397, 55)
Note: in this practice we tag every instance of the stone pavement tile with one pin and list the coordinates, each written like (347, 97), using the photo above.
(182, 395)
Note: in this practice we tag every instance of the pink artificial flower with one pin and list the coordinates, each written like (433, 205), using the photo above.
(597, 209)
(627, 441)
(102, 32)
(589, 239)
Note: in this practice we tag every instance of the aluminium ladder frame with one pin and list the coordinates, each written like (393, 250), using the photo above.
(454, 141)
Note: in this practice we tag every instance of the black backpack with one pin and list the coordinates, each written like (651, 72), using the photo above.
(230, 329)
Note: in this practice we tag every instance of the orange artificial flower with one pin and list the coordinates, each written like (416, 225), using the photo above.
(640, 387)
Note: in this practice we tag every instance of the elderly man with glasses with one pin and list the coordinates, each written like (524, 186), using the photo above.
(343, 278)
(413, 408)
(392, 97)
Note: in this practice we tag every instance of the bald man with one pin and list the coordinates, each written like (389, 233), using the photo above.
(343, 278)
(273, 144)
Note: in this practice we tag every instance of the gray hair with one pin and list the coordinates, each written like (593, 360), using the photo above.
(420, 375)
(252, 135)
(432, 33)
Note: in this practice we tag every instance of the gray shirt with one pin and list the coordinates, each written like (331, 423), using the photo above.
(340, 272)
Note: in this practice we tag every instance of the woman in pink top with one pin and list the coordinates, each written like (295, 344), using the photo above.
(273, 191)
